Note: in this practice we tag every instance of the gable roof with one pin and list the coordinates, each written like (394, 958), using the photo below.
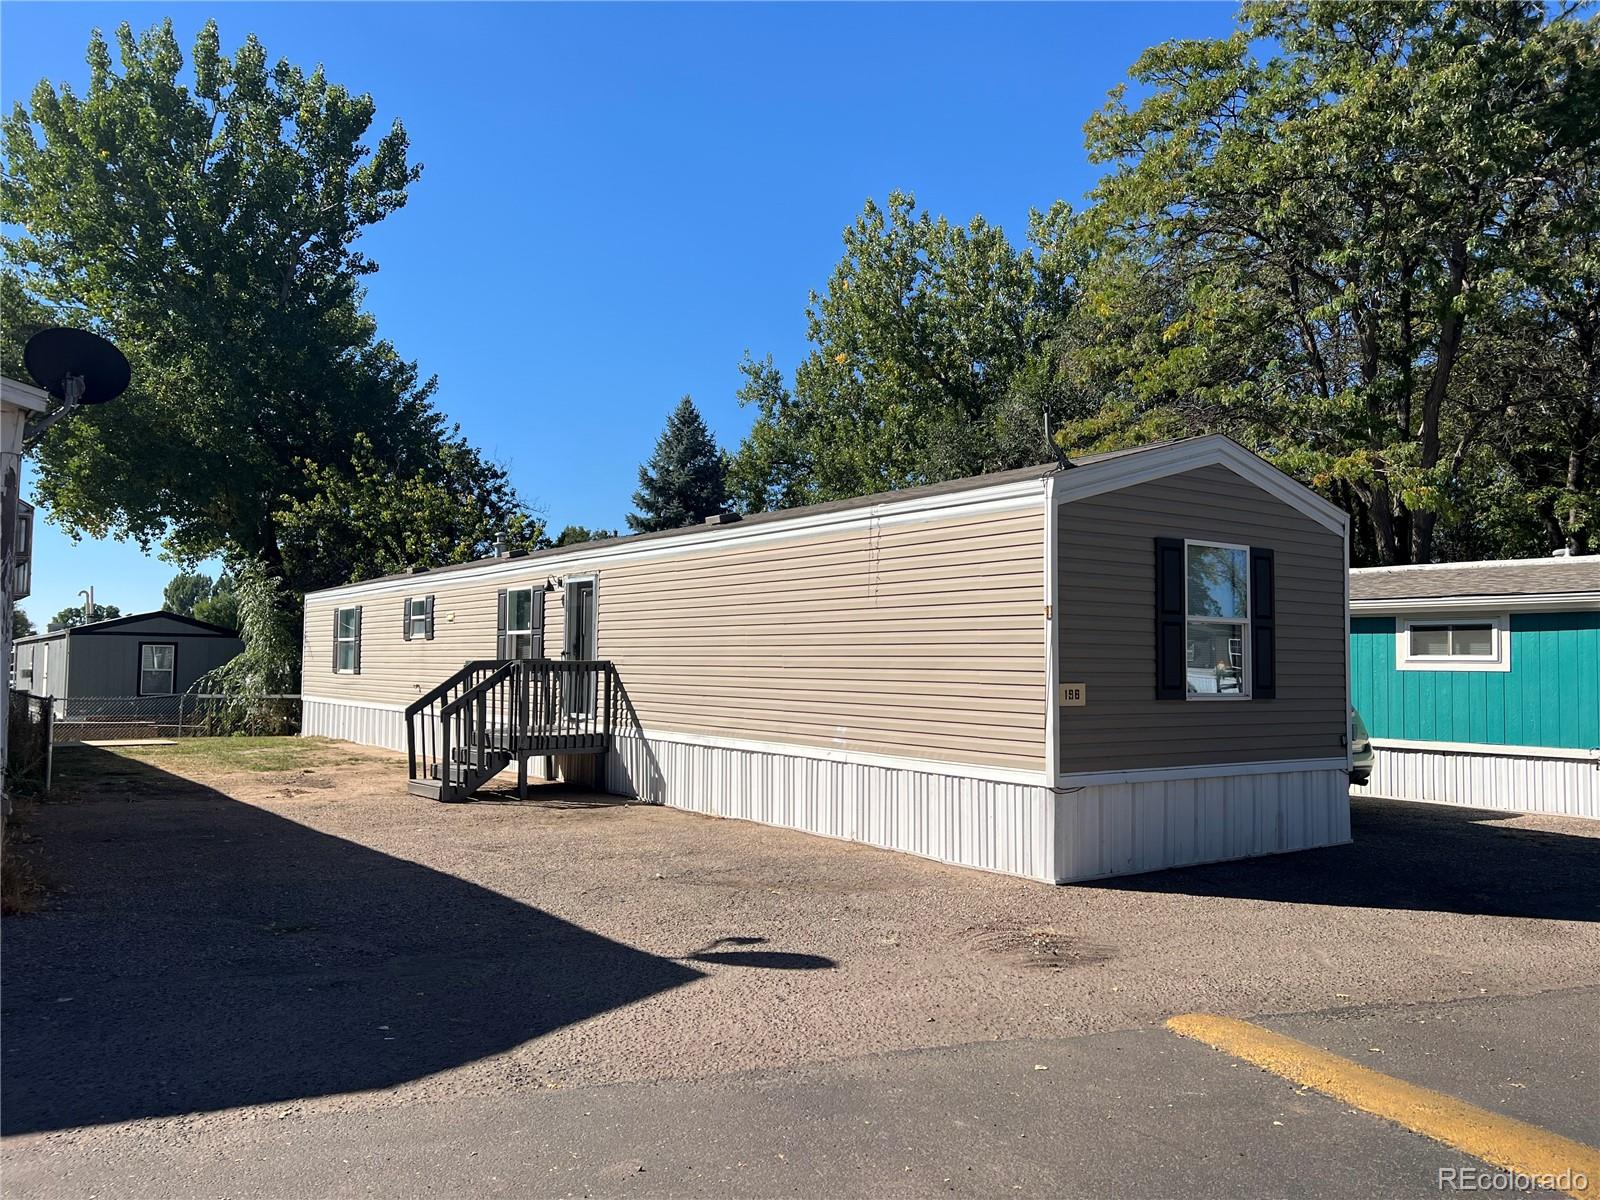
(117, 624)
(1519, 583)
(1088, 475)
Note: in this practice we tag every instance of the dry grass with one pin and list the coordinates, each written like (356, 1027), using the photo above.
(208, 758)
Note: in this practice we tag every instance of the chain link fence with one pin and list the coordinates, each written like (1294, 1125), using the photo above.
(193, 714)
(28, 745)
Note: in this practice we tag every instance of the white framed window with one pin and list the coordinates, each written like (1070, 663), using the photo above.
(1453, 644)
(347, 641)
(1216, 606)
(158, 662)
(519, 623)
(417, 618)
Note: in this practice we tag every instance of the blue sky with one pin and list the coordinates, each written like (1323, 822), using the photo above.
(619, 201)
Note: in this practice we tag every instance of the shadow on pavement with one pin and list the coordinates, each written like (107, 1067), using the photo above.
(1412, 856)
(210, 954)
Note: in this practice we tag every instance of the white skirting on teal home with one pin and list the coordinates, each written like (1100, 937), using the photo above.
(1506, 778)
(1087, 827)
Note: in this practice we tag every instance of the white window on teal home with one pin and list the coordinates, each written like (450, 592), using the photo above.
(1453, 644)
(1217, 624)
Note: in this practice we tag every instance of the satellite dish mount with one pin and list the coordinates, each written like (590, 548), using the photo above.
(75, 366)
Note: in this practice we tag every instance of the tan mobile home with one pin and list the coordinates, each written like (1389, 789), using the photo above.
(1135, 663)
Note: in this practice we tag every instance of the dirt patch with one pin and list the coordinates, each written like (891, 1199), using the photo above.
(1036, 948)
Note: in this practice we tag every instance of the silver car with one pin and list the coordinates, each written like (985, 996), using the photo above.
(1360, 751)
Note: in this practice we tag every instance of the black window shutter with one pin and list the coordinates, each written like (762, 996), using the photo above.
(358, 640)
(500, 625)
(1170, 676)
(427, 608)
(405, 619)
(538, 623)
(1263, 625)
(336, 613)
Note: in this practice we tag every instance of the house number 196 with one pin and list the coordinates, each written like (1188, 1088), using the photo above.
(1074, 695)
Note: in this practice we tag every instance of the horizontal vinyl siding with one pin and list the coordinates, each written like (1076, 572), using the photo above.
(921, 640)
(1106, 568)
(1550, 697)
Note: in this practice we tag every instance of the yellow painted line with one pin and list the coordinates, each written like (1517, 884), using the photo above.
(1503, 1141)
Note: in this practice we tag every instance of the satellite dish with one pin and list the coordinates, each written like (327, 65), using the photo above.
(66, 361)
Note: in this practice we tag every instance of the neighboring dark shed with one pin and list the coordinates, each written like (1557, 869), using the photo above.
(127, 668)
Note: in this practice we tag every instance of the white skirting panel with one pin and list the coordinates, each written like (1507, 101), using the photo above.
(1533, 783)
(1003, 827)
(363, 723)
(1128, 828)
(1016, 828)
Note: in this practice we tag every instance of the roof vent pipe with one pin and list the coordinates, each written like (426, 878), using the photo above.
(502, 546)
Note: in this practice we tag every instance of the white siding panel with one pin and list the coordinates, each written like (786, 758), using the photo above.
(1501, 781)
(1127, 828)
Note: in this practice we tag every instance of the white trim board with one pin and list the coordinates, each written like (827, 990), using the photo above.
(1159, 462)
(1205, 771)
(1421, 606)
(1574, 753)
(1018, 496)
(1052, 632)
(862, 758)
(381, 705)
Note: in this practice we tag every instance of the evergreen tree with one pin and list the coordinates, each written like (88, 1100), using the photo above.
(21, 624)
(685, 480)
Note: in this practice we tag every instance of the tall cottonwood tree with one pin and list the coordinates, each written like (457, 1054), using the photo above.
(209, 223)
(1334, 224)
(919, 342)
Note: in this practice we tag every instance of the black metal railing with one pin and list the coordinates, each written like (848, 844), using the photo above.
(494, 711)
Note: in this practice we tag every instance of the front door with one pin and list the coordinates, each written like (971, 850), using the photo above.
(579, 622)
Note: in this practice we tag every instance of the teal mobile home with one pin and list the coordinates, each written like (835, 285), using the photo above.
(1480, 682)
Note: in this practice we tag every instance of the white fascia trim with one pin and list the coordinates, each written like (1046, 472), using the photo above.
(345, 703)
(1095, 479)
(1052, 633)
(1209, 771)
(1552, 602)
(1573, 754)
(1007, 497)
(859, 758)
(23, 395)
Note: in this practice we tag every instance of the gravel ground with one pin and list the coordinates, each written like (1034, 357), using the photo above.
(315, 939)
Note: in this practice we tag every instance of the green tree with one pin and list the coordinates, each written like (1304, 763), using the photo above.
(221, 607)
(21, 624)
(209, 223)
(1310, 227)
(685, 480)
(72, 617)
(920, 343)
(186, 589)
(572, 535)
(364, 517)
